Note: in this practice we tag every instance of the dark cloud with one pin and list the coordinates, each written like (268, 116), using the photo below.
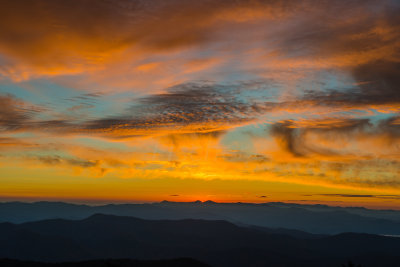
(51, 33)
(245, 157)
(200, 103)
(288, 137)
(342, 28)
(197, 107)
(340, 126)
(15, 112)
(192, 108)
(58, 160)
(379, 83)
(69, 34)
(18, 115)
(370, 41)
(376, 87)
(86, 98)
(293, 136)
(181, 138)
(362, 196)
(346, 195)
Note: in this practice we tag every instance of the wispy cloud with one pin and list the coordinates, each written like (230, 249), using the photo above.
(363, 196)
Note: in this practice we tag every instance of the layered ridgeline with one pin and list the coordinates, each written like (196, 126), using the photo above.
(214, 242)
(317, 219)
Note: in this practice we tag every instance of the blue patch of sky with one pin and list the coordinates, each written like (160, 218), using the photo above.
(377, 117)
(325, 81)
(22, 135)
(60, 99)
(102, 144)
(40, 153)
(17, 91)
(241, 138)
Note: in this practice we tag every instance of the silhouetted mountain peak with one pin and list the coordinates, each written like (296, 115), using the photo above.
(316, 219)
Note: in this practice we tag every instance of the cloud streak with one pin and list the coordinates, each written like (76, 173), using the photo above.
(186, 108)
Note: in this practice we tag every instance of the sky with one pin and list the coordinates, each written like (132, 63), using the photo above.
(183, 100)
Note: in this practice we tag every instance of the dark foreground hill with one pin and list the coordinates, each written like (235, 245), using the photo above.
(107, 263)
(218, 243)
(317, 219)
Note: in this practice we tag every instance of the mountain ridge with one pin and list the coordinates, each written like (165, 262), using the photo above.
(218, 243)
(313, 219)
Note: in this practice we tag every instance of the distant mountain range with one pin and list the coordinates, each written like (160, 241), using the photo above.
(316, 219)
(214, 242)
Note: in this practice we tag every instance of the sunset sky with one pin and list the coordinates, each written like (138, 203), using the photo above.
(183, 100)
